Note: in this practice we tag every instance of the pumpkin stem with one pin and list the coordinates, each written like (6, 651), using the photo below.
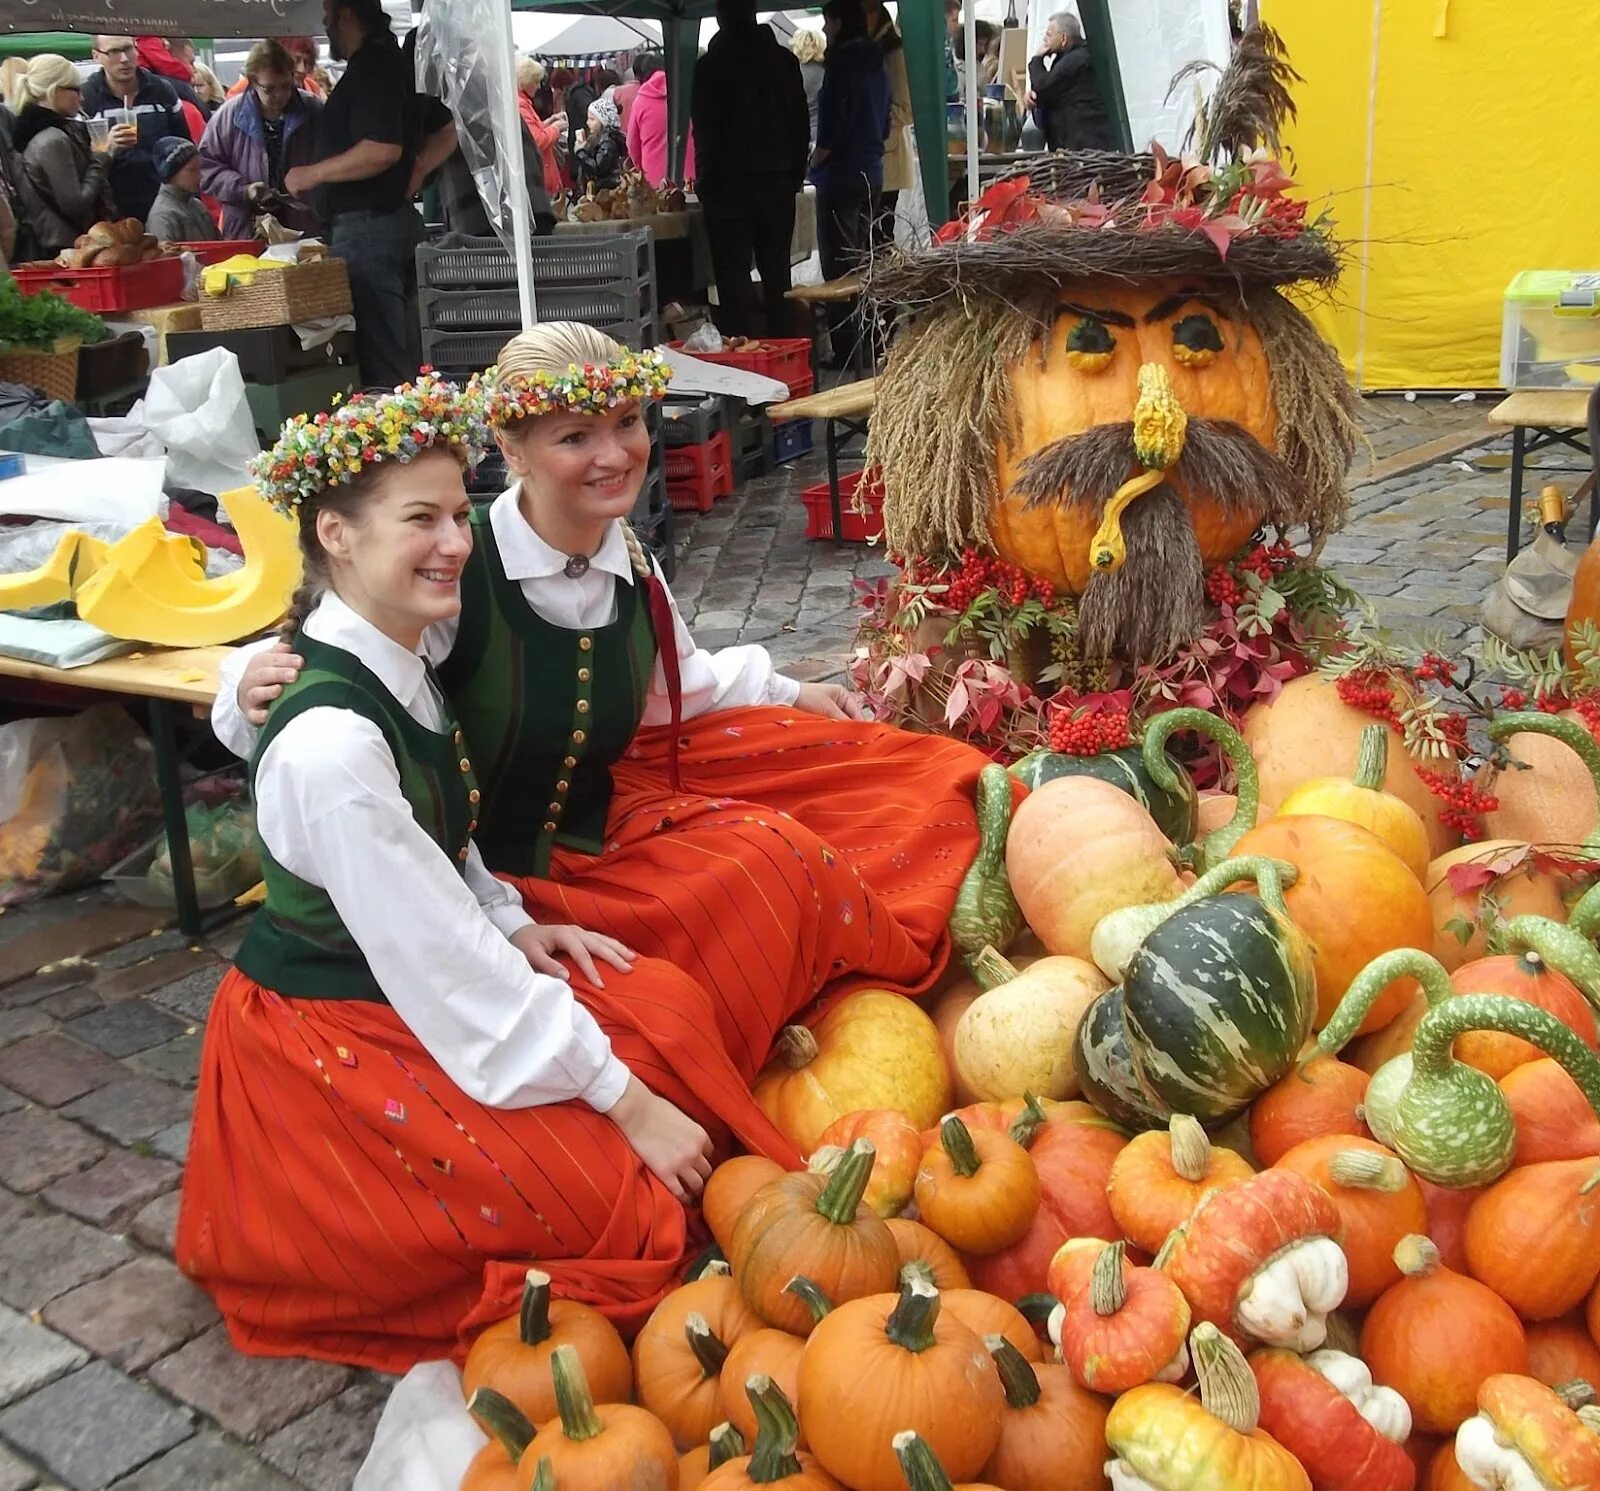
(956, 1138)
(573, 1400)
(707, 1265)
(544, 1478)
(707, 1346)
(1108, 1286)
(1024, 1128)
(727, 1443)
(1227, 1385)
(533, 1324)
(848, 1183)
(716, 1268)
(797, 1047)
(1575, 1394)
(810, 1295)
(910, 1324)
(1035, 1308)
(1589, 1417)
(1544, 941)
(916, 1268)
(918, 1463)
(777, 1432)
(1168, 1245)
(991, 968)
(1569, 732)
(1372, 759)
(498, 1415)
(1018, 1378)
(1416, 1256)
(1362, 1170)
(1369, 984)
(825, 1161)
(1217, 845)
(1191, 1150)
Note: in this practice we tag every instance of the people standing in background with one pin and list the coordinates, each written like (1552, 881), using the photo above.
(649, 133)
(303, 51)
(367, 151)
(152, 107)
(602, 149)
(548, 134)
(1064, 92)
(897, 163)
(254, 140)
(809, 48)
(64, 184)
(207, 85)
(178, 215)
(952, 49)
(749, 108)
(628, 90)
(156, 55)
(580, 94)
(847, 165)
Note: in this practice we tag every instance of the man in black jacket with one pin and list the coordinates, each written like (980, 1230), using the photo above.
(752, 135)
(153, 104)
(1064, 92)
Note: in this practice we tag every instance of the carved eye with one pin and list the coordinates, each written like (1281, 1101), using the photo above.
(1196, 341)
(1090, 345)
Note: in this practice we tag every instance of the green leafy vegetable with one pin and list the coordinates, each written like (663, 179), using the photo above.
(40, 321)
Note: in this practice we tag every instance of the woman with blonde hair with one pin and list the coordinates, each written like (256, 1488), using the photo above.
(810, 48)
(547, 133)
(66, 169)
(751, 833)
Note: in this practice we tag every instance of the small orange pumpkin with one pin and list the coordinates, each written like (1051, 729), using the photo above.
(599, 1447)
(1321, 1097)
(1515, 1413)
(1554, 1120)
(496, 1466)
(774, 1458)
(898, 1144)
(1131, 1325)
(1528, 977)
(1518, 888)
(767, 1353)
(1072, 1267)
(1448, 1208)
(726, 1443)
(1562, 1351)
(731, 1185)
(1159, 1178)
(1534, 1237)
(919, 1244)
(978, 1191)
(1052, 1432)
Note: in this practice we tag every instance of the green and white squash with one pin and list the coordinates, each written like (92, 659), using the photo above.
(1217, 845)
(1104, 1069)
(1175, 807)
(986, 913)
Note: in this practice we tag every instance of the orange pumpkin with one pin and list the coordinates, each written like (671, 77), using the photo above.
(496, 1466)
(1158, 1179)
(1448, 1208)
(598, 1447)
(898, 1143)
(767, 1353)
(1554, 1120)
(1520, 888)
(1052, 1433)
(1307, 731)
(1534, 1237)
(1560, 1447)
(1379, 1203)
(1436, 1335)
(1077, 849)
(1072, 1268)
(919, 1244)
(513, 1356)
(1322, 1097)
(1024, 1118)
(774, 1458)
(1053, 398)
(989, 1315)
(1525, 976)
(731, 1185)
(1354, 899)
(1443, 1472)
(1361, 799)
(1561, 1351)
(1131, 1325)
(726, 1443)
(978, 1191)
(871, 1050)
(1548, 797)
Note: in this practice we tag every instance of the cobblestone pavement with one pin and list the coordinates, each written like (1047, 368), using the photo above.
(113, 1368)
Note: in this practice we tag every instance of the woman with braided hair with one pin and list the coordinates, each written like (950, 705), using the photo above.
(747, 835)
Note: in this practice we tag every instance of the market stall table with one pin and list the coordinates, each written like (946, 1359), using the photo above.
(1541, 418)
(161, 678)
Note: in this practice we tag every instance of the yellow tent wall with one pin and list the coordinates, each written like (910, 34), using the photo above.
(1455, 143)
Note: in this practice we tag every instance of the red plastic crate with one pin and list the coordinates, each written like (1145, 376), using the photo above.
(699, 474)
(857, 527)
(224, 248)
(788, 359)
(116, 287)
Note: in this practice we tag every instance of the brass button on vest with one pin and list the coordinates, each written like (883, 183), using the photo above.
(583, 706)
(585, 643)
(472, 827)
(555, 809)
(570, 762)
(583, 675)
(549, 828)
(465, 764)
(563, 785)
(463, 855)
(473, 796)
(578, 737)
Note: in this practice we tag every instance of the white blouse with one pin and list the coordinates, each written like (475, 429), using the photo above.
(729, 678)
(330, 810)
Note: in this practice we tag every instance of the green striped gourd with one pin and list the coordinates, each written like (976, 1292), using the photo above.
(986, 913)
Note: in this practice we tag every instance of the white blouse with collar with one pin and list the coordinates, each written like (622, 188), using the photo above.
(330, 810)
(729, 678)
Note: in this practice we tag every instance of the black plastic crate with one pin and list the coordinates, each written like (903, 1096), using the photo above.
(267, 354)
(692, 421)
(562, 259)
(791, 439)
(494, 310)
(462, 353)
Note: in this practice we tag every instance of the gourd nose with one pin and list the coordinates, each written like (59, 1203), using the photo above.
(1159, 423)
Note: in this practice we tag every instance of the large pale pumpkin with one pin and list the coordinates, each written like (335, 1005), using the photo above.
(871, 1050)
(1548, 797)
(1054, 397)
(1308, 731)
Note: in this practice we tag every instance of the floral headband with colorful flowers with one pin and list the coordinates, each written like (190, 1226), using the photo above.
(590, 389)
(315, 452)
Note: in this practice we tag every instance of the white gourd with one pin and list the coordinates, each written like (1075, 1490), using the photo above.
(1286, 1302)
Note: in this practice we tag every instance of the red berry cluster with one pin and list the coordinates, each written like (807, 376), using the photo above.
(1370, 690)
(1223, 587)
(1436, 668)
(1089, 734)
(1465, 802)
(1551, 703)
(977, 573)
(1513, 699)
(1224, 584)
(1588, 710)
(1453, 727)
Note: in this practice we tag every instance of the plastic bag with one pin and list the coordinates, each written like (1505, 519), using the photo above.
(706, 339)
(77, 794)
(425, 1438)
(217, 836)
(198, 406)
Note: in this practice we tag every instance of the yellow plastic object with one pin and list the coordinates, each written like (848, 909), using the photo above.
(138, 594)
(79, 555)
(241, 268)
(52, 582)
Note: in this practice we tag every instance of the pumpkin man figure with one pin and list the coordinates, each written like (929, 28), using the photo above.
(1102, 382)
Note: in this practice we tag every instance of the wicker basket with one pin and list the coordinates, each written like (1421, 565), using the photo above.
(298, 292)
(55, 373)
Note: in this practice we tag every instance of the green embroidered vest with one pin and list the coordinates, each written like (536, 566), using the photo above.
(298, 945)
(548, 709)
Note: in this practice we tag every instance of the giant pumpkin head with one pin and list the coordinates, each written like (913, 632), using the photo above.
(1101, 382)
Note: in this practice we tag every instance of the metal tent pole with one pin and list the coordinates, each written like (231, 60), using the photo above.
(511, 163)
(969, 23)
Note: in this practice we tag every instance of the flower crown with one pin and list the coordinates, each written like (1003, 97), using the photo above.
(590, 389)
(330, 449)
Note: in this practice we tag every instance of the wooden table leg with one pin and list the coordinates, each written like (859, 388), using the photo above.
(177, 823)
(1514, 517)
(830, 438)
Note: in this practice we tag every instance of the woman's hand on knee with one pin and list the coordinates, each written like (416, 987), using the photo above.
(263, 680)
(672, 1145)
(541, 945)
(833, 701)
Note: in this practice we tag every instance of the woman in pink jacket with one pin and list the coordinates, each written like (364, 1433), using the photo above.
(546, 132)
(648, 140)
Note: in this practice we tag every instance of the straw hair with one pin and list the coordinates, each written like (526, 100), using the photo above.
(45, 74)
(553, 347)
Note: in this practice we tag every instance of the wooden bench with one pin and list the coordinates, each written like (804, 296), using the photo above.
(845, 412)
(1540, 418)
(160, 679)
